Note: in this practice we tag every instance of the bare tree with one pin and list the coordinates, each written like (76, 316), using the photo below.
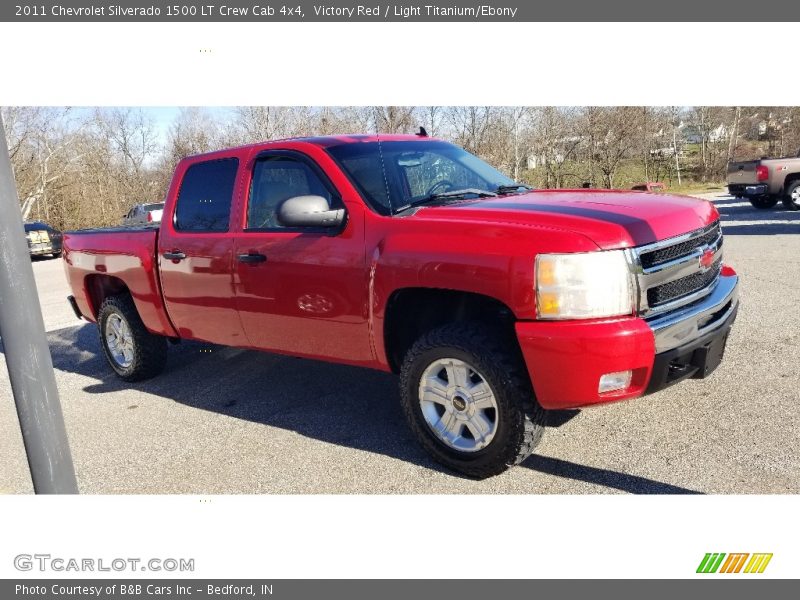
(394, 119)
(612, 132)
(433, 120)
(471, 126)
(195, 130)
(39, 141)
(518, 139)
(261, 123)
(131, 134)
(555, 145)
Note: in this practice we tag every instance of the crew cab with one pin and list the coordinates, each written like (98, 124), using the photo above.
(765, 181)
(492, 301)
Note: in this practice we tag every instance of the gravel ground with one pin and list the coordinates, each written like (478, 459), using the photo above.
(222, 420)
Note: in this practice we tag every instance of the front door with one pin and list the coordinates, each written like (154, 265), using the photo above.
(300, 291)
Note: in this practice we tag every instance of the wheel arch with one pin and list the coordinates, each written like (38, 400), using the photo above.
(790, 179)
(99, 286)
(412, 311)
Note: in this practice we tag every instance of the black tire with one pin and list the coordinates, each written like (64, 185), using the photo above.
(793, 189)
(520, 418)
(763, 202)
(149, 350)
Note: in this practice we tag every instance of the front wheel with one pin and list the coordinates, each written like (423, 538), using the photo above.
(468, 400)
(764, 202)
(133, 352)
(791, 199)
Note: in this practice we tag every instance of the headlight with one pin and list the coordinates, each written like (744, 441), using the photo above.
(583, 286)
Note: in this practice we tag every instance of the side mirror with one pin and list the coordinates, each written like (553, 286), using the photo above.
(309, 211)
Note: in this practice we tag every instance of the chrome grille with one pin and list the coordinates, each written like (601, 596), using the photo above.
(678, 271)
(679, 288)
(661, 255)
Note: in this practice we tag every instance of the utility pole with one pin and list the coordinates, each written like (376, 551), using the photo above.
(30, 367)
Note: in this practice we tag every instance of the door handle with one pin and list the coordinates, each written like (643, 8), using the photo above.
(252, 257)
(174, 255)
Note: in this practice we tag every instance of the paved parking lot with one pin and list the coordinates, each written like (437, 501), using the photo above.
(221, 420)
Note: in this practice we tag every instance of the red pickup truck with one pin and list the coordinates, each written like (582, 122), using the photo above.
(493, 302)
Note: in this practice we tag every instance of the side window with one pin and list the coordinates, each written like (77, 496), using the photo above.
(204, 200)
(276, 179)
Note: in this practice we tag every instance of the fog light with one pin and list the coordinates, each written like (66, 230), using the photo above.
(613, 382)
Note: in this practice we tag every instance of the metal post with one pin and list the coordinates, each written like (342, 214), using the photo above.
(30, 367)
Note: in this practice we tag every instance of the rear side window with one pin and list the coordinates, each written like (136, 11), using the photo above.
(204, 200)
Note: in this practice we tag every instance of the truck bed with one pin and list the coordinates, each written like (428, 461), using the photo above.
(116, 229)
(113, 258)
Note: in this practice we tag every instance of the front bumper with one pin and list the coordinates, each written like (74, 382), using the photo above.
(696, 359)
(566, 359)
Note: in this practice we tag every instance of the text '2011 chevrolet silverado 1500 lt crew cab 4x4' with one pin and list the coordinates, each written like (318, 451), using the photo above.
(492, 301)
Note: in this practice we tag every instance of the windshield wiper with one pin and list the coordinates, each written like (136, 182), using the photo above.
(448, 195)
(510, 188)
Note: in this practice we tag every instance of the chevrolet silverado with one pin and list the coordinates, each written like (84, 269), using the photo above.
(765, 181)
(492, 301)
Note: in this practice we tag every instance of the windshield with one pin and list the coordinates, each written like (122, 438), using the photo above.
(393, 176)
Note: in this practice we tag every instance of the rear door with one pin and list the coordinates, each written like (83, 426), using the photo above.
(300, 291)
(195, 252)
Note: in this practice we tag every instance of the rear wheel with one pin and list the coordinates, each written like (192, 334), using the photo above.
(791, 198)
(764, 202)
(468, 399)
(133, 352)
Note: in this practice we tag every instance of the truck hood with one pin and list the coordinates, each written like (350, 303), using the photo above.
(612, 219)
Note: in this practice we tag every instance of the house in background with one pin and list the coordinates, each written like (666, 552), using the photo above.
(691, 134)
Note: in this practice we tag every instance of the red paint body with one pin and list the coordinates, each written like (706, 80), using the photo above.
(325, 296)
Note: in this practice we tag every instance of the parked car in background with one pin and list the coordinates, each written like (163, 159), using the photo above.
(765, 181)
(42, 239)
(492, 301)
(142, 214)
(651, 186)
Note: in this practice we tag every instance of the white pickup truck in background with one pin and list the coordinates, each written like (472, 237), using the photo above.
(142, 214)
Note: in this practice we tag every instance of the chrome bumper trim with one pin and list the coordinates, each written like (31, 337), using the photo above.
(682, 326)
(755, 190)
